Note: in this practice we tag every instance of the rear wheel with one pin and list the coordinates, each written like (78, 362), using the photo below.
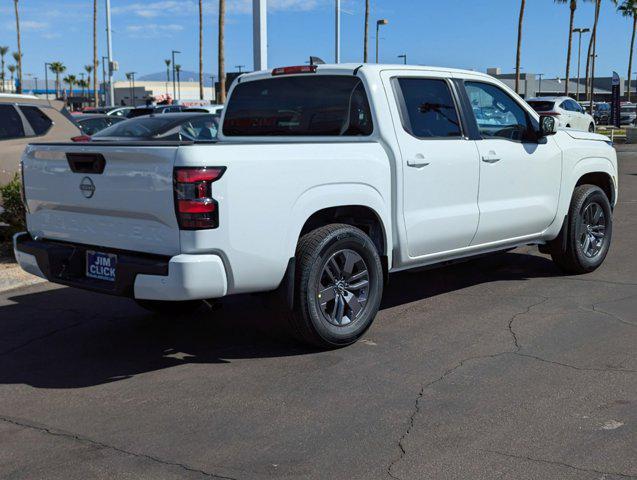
(585, 238)
(338, 287)
(591, 128)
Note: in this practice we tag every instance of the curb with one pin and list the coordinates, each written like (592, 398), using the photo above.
(13, 277)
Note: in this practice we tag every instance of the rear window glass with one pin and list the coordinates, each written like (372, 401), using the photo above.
(325, 105)
(10, 123)
(38, 119)
(138, 112)
(541, 106)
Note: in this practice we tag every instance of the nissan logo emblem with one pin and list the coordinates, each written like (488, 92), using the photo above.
(87, 187)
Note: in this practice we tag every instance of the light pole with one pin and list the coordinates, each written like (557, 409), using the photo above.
(36, 84)
(131, 86)
(46, 78)
(174, 86)
(579, 54)
(214, 91)
(260, 34)
(539, 89)
(404, 57)
(380, 22)
(240, 68)
(109, 45)
(337, 38)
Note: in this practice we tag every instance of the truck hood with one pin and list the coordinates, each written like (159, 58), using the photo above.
(582, 135)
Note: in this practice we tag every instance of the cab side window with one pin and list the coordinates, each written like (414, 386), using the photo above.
(497, 114)
(428, 109)
(10, 123)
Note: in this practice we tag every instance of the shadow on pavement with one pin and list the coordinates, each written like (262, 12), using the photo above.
(67, 338)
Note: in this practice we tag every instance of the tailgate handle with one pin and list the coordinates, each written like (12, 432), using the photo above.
(86, 162)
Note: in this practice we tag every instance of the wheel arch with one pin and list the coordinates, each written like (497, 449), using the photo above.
(602, 180)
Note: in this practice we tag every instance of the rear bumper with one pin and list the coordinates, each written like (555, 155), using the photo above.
(142, 276)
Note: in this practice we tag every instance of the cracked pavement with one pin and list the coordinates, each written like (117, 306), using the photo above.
(499, 368)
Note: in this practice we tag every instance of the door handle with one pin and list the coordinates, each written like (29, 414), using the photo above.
(492, 157)
(417, 162)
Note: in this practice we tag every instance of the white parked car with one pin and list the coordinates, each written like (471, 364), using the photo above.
(324, 180)
(567, 111)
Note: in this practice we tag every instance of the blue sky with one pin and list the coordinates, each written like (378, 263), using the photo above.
(473, 34)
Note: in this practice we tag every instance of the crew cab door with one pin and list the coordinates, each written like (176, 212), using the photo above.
(440, 166)
(520, 176)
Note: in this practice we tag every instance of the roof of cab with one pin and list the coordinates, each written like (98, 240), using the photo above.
(345, 68)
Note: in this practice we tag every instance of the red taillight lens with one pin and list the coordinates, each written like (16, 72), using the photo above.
(81, 138)
(196, 209)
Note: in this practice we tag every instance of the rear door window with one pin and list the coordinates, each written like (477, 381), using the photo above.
(428, 109)
(37, 118)
(317, 105)
(10, 123)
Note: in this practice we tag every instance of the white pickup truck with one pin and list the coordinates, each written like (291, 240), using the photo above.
(324, 180)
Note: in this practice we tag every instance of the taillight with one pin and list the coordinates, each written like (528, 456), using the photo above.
(195, 207)
(292, 70)
(81, 138)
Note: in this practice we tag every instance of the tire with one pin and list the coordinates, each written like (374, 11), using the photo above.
(335, 305)
(570, 250)
(169, 309)
(591, 128)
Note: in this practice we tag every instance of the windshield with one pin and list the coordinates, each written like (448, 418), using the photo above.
(328, 105)
(541, 106)
(165, 127)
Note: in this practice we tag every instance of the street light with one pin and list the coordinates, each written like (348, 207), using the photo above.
(380, 22)
(404, 57)
(36, 84)
(579, 54)
(539, 90)
(240, 68)
(337, 39)
(174, 86)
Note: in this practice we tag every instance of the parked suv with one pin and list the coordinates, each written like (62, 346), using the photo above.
(25, 119)
(566, 111)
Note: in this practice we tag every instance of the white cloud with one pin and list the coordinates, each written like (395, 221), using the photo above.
(153, 30)
(33, 25)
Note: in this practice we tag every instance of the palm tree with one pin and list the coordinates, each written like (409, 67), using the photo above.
(517, 57)
(573, 7)
(96, 97)
(178, 71)
(84, 85)
(366, 31)
(88, 69)
(17, 28)
(167, 62)
(222, 67)
(58, 69)
(201, 49)
(70, 80)
(3, 52)
(12, 69)
(628, 9)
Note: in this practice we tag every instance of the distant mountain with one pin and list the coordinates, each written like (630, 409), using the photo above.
(184, 75)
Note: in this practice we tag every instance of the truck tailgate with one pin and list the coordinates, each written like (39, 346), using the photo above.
(115, 196)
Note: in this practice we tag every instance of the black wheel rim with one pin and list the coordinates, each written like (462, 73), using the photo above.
(343, 289)
(592, 230)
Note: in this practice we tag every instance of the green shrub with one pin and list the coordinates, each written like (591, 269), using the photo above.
(11, 201)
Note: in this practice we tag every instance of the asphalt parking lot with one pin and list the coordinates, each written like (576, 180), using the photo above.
(498, 368)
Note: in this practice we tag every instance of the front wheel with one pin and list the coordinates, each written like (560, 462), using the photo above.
(585, 238)
(338, 286)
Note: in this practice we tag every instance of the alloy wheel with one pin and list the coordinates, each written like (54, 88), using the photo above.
(343, 288)
(592, 230)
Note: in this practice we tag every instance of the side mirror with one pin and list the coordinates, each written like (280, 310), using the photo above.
(548, 126)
